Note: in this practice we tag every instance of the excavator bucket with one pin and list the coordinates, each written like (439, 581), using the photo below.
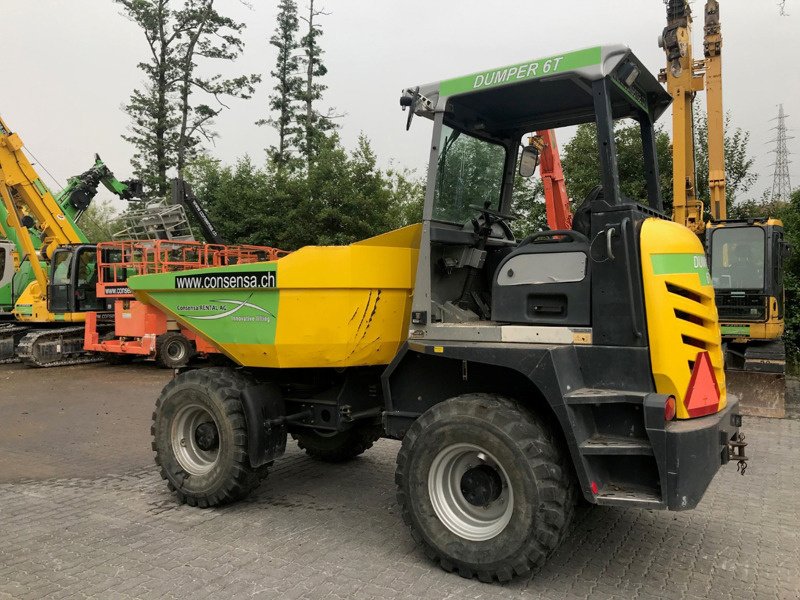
(756, 372)
(760, 394)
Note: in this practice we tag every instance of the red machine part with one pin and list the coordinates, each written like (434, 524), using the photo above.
(559, 215)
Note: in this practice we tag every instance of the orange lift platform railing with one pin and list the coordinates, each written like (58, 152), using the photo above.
(142, 330)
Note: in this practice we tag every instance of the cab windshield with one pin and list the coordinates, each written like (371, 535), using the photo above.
(737, 258)
(470, 172)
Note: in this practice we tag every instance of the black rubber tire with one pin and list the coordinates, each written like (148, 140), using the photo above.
(543, 486)
(339, 447)
(166, 342)
(219, 391)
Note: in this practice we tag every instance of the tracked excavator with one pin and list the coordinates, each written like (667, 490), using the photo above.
(47, 258)
(745, 256)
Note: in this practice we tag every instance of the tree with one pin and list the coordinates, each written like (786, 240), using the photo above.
(210, 35)
(152, 108)
(239, 200)
(167, 126)
(408, 196)
(739, 175)
(287, 84)
(344, 198)
(314, 124)
(581, 162)
(347, 198)
(790, 215)
(98, 222)
(529, 207)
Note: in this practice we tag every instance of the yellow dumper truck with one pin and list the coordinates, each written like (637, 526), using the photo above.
(522, 376)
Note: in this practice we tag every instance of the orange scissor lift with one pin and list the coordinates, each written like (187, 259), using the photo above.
(142, 330)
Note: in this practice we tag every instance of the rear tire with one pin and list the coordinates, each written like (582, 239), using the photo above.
(200, 438)
(484, 487)
(173, 350)
(339, 446)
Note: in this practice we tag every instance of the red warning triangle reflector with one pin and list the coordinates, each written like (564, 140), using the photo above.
(702, 396)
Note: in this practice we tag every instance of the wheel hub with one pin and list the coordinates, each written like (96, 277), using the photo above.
(195, 439)
(175, 350)
(481, 485)
(470, 492)
(207, 436)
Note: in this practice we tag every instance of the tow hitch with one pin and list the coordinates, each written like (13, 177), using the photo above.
(736, 447)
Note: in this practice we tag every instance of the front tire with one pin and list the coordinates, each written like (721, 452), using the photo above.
(484, 487)
(200, 438)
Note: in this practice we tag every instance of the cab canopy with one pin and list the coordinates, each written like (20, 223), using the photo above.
(600, 84)
(547, 93)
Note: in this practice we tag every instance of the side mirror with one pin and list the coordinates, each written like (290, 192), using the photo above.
(528, 161)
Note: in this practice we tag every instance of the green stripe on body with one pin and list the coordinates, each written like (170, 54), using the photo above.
(736, 330)
(677, 264)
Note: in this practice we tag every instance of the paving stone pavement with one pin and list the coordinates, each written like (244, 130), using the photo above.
(321, 531)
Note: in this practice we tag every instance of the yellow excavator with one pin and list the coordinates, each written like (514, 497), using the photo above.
(52, 249)
(745, 256)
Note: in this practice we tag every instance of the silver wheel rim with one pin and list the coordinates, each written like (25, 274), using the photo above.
(466, 520)
(176, 350)
(191, 457)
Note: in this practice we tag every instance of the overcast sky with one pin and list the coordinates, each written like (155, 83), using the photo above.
(68, 67)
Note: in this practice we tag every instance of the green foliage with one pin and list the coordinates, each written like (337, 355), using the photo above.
(98, 222)
(581, 162)
(408, 196)
(790, 215)
(344, 198)
(739, 175)
(152, 109)
(528, 206)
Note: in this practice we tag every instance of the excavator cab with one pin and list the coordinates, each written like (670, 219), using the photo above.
(746, 261)
(73, 280)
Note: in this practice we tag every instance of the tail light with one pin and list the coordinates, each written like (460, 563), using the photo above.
(669, 409)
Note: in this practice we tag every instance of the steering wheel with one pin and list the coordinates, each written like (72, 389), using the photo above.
(494, 213)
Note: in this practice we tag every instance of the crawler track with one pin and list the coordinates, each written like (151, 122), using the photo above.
(55, 348)
(10, 336)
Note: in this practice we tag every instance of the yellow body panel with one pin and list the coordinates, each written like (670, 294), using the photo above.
(679, 303)
(339, 306)
(31, 307)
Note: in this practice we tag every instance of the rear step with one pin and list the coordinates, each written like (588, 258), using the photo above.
(600, 444)
(614, 447)
(603, 396)
(618, 495)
